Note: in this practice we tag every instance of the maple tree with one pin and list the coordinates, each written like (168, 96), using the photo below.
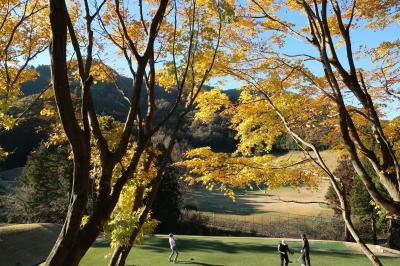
(276, 75)
(283, 94)
(188, 58)
(259, 118)
(76, 239)
(192, 37)
(329, 25)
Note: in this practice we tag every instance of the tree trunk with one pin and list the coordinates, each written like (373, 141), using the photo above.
(121, 253)
(350, 134)
(124, 256)
(75, 239)
(142, 219)
(78, 247)
(115, 256)
(339, 192)
(79, 140)
(119, 256)
(373, 227)
(374, 259)
(347, 234)
(394, 234)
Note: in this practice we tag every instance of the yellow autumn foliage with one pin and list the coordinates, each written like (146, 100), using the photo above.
(210, 102)
(124, 219)
(226, 172)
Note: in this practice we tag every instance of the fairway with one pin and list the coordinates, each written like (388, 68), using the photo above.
(230, 251)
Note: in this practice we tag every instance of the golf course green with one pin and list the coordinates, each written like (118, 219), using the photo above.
(230, 251)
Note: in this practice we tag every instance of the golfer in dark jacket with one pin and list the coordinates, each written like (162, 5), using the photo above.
(305, 251)
(283, 250)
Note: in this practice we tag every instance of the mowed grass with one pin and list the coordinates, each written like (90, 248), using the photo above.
(230, 251)
(26, 244)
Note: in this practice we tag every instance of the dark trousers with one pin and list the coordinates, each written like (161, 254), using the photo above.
(306, 257)
(284, 260)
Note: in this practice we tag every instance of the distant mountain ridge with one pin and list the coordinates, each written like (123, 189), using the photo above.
(109, 101)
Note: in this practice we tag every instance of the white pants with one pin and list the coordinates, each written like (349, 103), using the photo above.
(174, 251)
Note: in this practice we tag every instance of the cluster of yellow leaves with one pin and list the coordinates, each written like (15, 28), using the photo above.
(293, 4)
(381, 212)
(124, 219)
(210, 102)
(3, 154)
(193, 44)
(56, 136)
(10, 91)
(257, 126)
(166, 77)
(123, 222)
(99, 71)
(226, 172)
(48, 110)
(392, 131)
(6, 121)
(24, 33)
(380, 13)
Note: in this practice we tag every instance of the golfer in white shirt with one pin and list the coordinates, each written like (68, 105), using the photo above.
(172, 244)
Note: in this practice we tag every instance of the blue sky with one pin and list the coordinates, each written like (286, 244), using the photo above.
(360, 37)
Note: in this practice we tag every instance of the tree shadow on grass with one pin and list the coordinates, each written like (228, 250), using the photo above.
(188, 262)
(101, 244)
(319, 250)
(159, 244)
(191, 262)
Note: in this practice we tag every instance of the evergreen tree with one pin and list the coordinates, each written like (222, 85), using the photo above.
(345, 172)
(166, 207)
(45, 184)
(389, 224)
(360, 202)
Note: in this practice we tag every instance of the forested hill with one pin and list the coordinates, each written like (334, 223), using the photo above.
(108, 101)
(107, 98)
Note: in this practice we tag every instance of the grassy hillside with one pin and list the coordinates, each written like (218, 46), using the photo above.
(221, 251)
(261, 203)
(26, 244)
